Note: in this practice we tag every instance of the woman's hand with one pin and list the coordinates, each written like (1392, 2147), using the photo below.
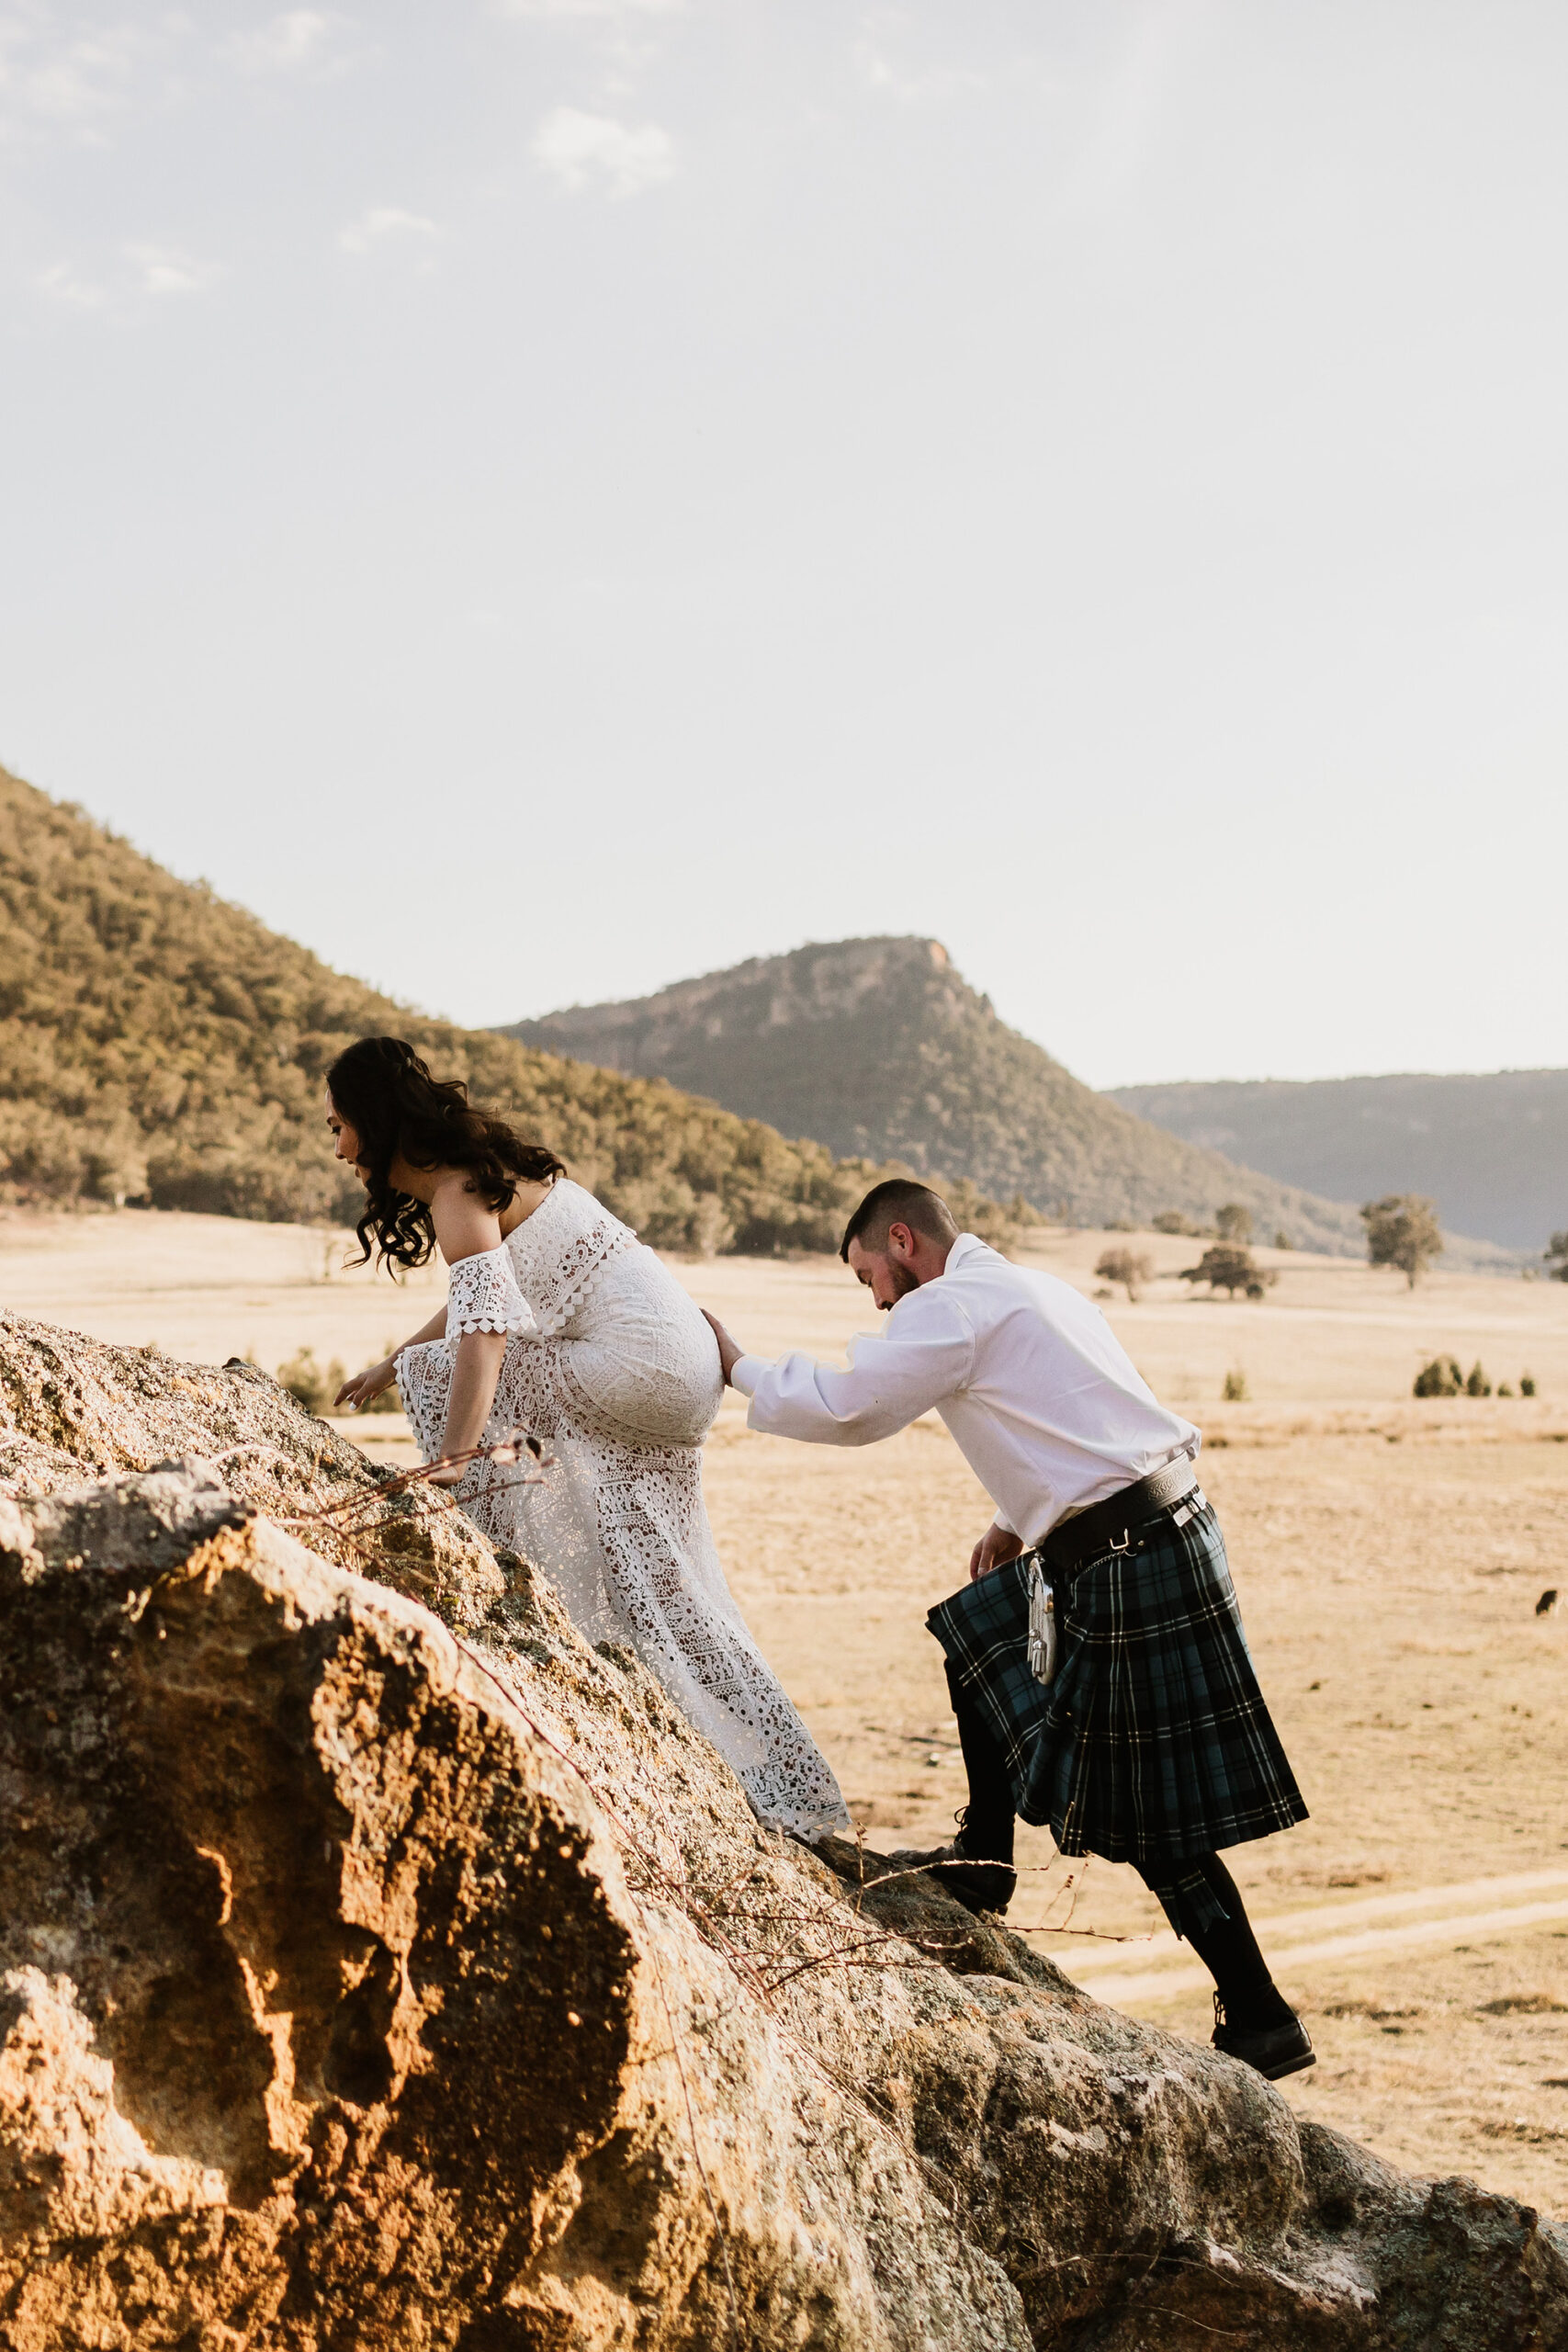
(452, 1476)
(359, 1392)
(997, 1544)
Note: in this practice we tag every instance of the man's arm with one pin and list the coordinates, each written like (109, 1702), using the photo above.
(924, 1358)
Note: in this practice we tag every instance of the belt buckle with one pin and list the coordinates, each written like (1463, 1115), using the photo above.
(1125, 1544)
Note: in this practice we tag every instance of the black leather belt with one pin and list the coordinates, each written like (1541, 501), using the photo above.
(1111, 1526)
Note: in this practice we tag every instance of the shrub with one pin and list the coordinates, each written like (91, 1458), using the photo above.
(1556, 1256)
(989, 1221)
(1173, 1221)
(307, 1383)
(1477, 1384)
(1234, 1222)
(1281, 1239)
(1403, 1231)
(1229, 1268)
(1234, 1390)
(1131, 1268)
(1527, 1384)
(1441, 1377)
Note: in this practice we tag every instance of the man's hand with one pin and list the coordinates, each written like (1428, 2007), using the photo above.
(729, 1355)
(997, 1544)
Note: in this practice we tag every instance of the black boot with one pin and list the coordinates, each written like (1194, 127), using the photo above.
(979, 1881)
(1253, 2020)
(1273, 2049)
(976, 1865)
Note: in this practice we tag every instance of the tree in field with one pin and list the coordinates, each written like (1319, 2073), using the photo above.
(1556, 1256)
(1131, 1268)
(1234, 1222)
(1403, 1231)
(1229, 1268)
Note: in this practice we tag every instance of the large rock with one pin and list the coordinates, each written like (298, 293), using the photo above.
(69, 1403)
(371, 1980)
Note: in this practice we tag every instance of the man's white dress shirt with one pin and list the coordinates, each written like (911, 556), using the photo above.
(1045, 1405)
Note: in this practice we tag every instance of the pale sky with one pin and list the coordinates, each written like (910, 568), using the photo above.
(540, 500)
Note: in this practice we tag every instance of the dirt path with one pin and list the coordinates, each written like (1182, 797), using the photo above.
(1128, 1976)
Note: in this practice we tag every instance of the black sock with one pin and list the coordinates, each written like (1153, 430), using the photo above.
(989, 1822)
(1229, 1950)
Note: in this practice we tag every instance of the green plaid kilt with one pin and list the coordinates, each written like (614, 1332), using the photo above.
(1153, 1744)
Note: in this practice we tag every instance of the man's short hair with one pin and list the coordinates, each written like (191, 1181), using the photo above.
(898, 1201)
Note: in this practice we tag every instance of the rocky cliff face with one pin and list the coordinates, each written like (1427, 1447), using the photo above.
(387, 1971)
(880, 1050)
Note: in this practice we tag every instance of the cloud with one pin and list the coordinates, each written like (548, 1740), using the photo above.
(74, 84)
(144, 272)
(285, 43)
(161, 272)
(583, 151)
(613, 9)
(60, 284)
(910, 88)
(381, 222)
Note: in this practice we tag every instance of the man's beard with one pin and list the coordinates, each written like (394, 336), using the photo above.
(903, 1280)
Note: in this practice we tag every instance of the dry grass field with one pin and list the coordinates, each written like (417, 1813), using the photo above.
(1389, 1555)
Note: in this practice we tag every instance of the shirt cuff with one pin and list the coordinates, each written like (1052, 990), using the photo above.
(746, 1371)
(1005, 1523)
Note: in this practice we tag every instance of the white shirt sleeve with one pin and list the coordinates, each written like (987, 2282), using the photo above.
(926, 1354)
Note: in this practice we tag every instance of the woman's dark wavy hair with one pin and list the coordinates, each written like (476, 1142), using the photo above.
(383, 1090)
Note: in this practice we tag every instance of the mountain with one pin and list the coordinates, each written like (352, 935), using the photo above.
(157, 1044)
(1491, 1150)
(878, 1047)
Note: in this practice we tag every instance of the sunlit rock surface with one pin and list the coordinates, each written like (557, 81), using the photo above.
(392, 1971)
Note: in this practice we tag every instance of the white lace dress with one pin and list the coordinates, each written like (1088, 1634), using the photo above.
(610, 1363)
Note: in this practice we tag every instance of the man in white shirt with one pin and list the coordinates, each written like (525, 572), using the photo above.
(1148, 1740)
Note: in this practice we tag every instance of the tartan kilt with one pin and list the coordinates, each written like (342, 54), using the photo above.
(1153, 1744)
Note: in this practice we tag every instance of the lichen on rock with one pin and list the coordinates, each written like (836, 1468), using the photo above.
(381, 1966)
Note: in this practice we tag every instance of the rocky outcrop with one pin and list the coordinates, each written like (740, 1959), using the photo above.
(880, 1050)
(69, 1405)
(393, 1972)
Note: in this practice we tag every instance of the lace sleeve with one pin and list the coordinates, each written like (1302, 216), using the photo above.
(482, 1295)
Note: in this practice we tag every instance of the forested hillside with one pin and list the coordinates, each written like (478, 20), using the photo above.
(880, 1047)
(158, 1044)
(1491, 1150)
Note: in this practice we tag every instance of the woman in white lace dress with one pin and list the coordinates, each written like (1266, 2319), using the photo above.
(559, 1321)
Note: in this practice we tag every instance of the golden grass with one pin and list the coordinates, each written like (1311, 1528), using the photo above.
(1388, 1556)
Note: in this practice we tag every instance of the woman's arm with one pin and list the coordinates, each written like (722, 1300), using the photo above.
(472, 1394)
(357, 1393)
(464, 1228)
